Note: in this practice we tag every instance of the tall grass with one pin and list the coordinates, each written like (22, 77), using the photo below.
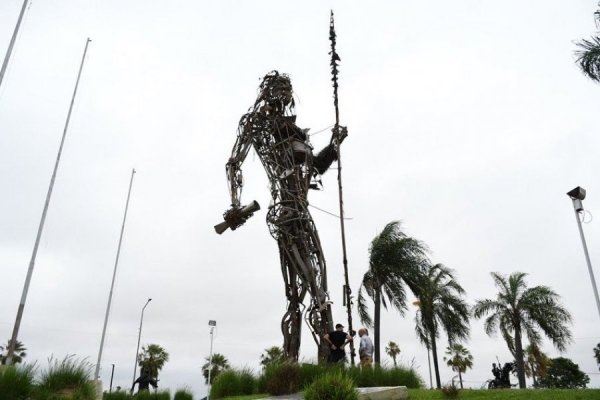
(183, 394)
(234, 383)
(16, 382)
(121, 395)
(69, 376)
(334, 385)
(147, 395)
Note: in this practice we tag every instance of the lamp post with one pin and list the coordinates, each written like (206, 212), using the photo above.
(577, 195)
(212, 324)
(139, 337)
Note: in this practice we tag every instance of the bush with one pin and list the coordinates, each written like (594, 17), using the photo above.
(16, 382)
(147, 395)
(248, 383)
(234, 383)
(282, 378)
(379, 376)
(122, 395)
(310, 372)
(450, 391)
(183, 394)
(68, 378)
(227, 383)
(334, 385)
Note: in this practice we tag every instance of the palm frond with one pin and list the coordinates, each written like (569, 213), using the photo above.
(588, 57)
(363, 309)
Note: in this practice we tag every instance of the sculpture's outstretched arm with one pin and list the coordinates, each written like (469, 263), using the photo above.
(323, 160)
(238, 155)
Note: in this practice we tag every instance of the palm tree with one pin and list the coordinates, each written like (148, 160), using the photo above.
(394, 259)
(152, 359)
(18, 355)
(440, 305)
(588, 56)
(219, 364)
(272, 355)
(459, 359)
(536, 363)
(519, 310)
(393, 350)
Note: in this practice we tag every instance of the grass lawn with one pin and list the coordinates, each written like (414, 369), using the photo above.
(509, 394)
(249, 397)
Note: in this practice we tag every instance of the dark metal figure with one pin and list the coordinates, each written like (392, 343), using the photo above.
(144, 382)
(286, 154)
(501, 376)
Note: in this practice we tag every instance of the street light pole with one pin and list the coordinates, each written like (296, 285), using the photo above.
(138, 343)
(212, 324)
(577, 195)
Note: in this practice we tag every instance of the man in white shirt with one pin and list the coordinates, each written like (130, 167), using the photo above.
(365, 350)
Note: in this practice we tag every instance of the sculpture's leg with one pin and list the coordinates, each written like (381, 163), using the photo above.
(308, 256)
(291, 322)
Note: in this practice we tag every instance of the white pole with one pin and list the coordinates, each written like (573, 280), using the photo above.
(138, 342)
(112, 285)
(13, 39)
(587, 257)
(13, 340)
(210, 361)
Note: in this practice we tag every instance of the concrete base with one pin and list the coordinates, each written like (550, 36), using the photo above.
(383, 393)
(373, 393)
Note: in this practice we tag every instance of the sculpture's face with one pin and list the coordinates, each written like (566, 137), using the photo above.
(276, 91)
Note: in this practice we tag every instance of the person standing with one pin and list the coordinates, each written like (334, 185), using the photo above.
(365, 349)
(337, 340)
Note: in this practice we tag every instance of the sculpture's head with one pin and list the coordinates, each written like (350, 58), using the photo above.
(276, 91)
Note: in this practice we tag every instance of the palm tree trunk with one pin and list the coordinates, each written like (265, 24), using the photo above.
(435, 361)
(533, 374)
(460, 379)
(377, 323)
(519, 357)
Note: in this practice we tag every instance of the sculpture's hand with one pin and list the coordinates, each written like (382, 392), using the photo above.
(338, 134)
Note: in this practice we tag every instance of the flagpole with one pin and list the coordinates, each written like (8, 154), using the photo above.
(13, 340)
(334, 71)
(112, 284)
(13, 39)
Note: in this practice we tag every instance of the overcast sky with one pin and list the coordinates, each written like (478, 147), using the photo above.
(468, 121)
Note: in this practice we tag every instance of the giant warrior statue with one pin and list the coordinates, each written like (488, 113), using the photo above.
(285, 151)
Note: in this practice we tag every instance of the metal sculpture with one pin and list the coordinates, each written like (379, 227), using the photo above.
(501, 376)
(287, 156)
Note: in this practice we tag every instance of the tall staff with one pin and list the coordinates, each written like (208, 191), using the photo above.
(13, 340)
(335, 58)
(13, 39)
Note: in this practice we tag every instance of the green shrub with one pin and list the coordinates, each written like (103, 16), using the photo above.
(227, 383)
(147, 395)
(450, 391)
(334, 385)
(67, 378)
(310, 372)
(16, 382)
(183, 394)
(121, 395)
(282, 378)
(247, 382)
